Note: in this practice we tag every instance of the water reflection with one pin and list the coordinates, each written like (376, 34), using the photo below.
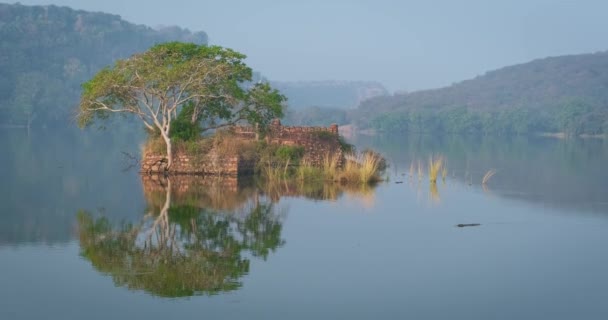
(198, 235)
(47, 177)
(434, 193)
(566, 174)
(181, 248)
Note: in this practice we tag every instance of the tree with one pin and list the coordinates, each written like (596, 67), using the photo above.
(156, 85)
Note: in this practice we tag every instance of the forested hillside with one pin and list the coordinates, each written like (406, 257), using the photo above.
(47, 52)
(566, 94)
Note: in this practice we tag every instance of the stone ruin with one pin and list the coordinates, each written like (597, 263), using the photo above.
(318, 143)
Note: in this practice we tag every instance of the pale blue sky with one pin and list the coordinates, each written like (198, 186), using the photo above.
(406, 45)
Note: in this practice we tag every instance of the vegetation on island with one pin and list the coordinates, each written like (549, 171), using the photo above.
(202, 87)
(181, 91)
(279, 163)
(275, 162)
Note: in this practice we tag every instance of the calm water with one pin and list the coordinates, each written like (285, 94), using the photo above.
(81, 238)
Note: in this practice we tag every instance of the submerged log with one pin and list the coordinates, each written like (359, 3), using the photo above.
(462, 225)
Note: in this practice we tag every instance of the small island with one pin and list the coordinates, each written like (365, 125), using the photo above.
(305, 153)
(204, 115)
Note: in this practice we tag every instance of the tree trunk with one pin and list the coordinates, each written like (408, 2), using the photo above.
(169, 152)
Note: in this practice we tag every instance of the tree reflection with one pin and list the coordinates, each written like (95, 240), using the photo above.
(182, 250)
(199, 234)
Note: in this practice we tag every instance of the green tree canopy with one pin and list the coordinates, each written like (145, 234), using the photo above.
(154, 86)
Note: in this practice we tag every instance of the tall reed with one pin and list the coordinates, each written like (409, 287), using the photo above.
(307, 171)
(435, 166)
(330, 166)
(362, 167)
(369, 167)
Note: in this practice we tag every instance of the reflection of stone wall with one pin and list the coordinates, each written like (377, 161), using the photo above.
(318, 142)
(213, 192)
(229, 194)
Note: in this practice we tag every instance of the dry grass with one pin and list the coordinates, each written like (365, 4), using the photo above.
(363, 168)
(330, 166)
(369, 167)
(222, 143)
(155, 146)
(488, 176)
(435, 166)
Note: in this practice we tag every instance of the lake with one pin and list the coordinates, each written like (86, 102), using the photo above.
(84, 236)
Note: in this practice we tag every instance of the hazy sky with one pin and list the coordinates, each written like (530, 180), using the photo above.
(406, 45)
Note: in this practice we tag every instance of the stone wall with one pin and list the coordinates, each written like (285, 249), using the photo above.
(200, 164)
(318, 143)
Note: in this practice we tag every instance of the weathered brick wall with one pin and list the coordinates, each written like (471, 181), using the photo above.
(201, 164)
(318, 142)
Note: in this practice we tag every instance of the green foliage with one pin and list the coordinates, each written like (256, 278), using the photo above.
(182, 127)
(324, 135)
(181, 90)
(309, 173)
(571, 119)
(289, 153)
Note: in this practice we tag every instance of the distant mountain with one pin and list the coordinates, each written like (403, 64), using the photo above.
(46, 52)
(329, 94)
(567, 94)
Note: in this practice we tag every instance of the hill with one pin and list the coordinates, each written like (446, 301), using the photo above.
(46, 52)
(321, 103)
(329, 94)
(567, 94)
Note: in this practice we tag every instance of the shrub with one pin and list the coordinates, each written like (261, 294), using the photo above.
(289, 153)
(324, 135)
(182, 127)
(345, 146)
